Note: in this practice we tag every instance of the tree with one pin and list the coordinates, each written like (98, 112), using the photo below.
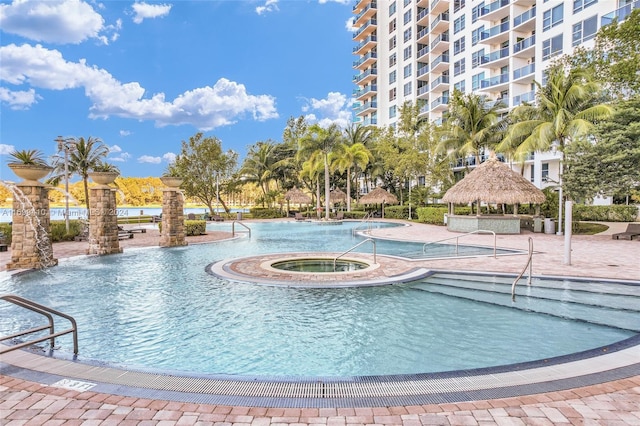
(471, 126)
(322, 141)
(345, 157)
(83, 157)
(259, 165)
(205, 169)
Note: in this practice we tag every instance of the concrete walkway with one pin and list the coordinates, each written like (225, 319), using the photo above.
(23, 402)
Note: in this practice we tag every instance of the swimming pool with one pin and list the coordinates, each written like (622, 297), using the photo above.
(158, 308)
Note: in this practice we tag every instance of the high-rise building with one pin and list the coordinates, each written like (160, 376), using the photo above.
(410, 50)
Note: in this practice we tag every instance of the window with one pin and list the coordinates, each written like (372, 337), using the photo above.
(406, 2)
(458, 46)
(476, 57)
(407, 34)
(392, 111)
(532, 172)
(392, 25)
(458, 24)
(407, 16)
(585, 30)
(392, 8)
(579, 5)
(407, 89)
(476, 34)
(545, 172)
(407, 71)
(392, 77)
(475, 81)
(392, 42)
(475, 12)
(457, 5)
(392, 94)
(552, 17)
(552, 47)
(392, 59)
(460, 86)
(407, 52)
(458, 67)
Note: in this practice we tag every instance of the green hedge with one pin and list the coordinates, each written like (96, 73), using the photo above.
(433, 215)
(59, 230)
(194, 227)
(262, 213)
(614, 213)
(6, 228)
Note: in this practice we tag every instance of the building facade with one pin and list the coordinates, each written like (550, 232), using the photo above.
(410, 50)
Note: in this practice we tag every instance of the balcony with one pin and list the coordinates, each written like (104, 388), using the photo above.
(423, 3)
(370, 121)
(494, 11)
(365, 77)
(366, 92)
(423, 52)
(440, 64)
(369, 27)
(440, 103)
(497, 58)
(495, 83)
(423, 17)
(440, 84)
(423, 35)
(423, 92)
(360, 5)
(620, 14)
(440, 23)
(495, 35)
(366, 13)
(525, 22)
(440, 43)
(529, 97)
(438, 6)
(524, 72)
(423, 72)
(366, 108)
(525, 48)
(366, 61)
(366, 45)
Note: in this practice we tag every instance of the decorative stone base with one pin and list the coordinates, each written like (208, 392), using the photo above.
(172, 232)
(103, 221)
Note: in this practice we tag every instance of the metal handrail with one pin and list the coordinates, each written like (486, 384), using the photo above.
(479, 231)
(528, 264)
(233, 228)
(335, 259)
(366, 220)
(45, 311)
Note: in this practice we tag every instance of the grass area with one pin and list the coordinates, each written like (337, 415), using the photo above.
(584, 228)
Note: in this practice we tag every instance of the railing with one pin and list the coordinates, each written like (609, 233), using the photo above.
(529, 265)
(371, 240)
(233, 228)
(457, 237)
(366, 221)
(47, 312)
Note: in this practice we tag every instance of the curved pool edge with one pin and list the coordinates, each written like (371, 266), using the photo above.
(617, 361)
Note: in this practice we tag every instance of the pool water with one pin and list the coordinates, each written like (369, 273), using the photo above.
(319, 265)
(159, 308)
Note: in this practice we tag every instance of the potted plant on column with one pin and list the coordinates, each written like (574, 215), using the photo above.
(29, 164)
(104, 173)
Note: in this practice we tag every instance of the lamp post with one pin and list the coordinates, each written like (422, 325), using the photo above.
(63, 144)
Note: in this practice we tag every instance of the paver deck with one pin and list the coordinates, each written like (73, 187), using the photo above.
(25, 402)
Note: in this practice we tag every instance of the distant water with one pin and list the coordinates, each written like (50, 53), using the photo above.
(6, 215)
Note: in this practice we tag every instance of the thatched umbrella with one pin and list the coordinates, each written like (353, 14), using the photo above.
(493, 182)
(296, 196)
(336, 196)
(379, 196)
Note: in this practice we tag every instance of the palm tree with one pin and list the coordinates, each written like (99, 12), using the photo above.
(472, 125)
(322, 141)
(84, 156)
(346, 157)
(258, 166)
(311, 170)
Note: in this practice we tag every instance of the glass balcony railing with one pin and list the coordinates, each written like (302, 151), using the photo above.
(441, 37)
(494, 81)
(521, 19)
(365, 90)
(365, 106)
(422, 90)
(494, 56)
(491, 7)
(423, 13)
(620, 14)
(524, 44)
(423, 51)
(442, 100)
(443, 17)
(365, 58)
(367, 24)
(372, 5)
(370, 121)
(494, 31)
(364, 42)
(524, 71)
(444, 58)
(367, 73)
(529, 97)
(423, 70)
(443, 79)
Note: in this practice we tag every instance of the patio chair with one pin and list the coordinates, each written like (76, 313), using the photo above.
(633, 231)
(299, 216)
(340, 216)
(217, 218)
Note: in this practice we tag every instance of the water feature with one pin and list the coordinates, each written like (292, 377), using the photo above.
(319, 265)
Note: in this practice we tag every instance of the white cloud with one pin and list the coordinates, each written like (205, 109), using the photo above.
(204, 108)
(6, 149)
(334, 1)
(169, 157)
(144, 11)
(53, 21)
(334, 109)
(115, 148)
(18, 99)
(124, 133)
(149, 159)
(349, 25)
(269, 6)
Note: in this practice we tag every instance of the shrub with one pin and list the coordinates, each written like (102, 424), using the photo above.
(433, 215)
(614, 213)
(194, 227)
(5, 229)
(355, 214)
(397, 212)
(59, 230)
(263, 213)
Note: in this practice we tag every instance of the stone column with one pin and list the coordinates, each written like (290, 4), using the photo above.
(103, 221)
(30, 237)
(172, 232)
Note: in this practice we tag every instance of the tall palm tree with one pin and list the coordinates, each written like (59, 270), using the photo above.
(347, 157)
(322, 141)
(471, 126)
(258, 166)
(567, 107)
(84, 157)
(311, 170)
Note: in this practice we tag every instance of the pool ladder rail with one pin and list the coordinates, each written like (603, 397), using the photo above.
(457, 237)
(233, 228)
(529, 265)
(371, 240)
(46, 312)
(366, 221)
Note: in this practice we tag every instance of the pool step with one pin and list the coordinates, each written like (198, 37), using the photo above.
(613, 313)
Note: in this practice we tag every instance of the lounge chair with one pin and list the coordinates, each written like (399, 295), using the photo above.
(299, 216)
(124, 234)
(633, 231)
(217, 218)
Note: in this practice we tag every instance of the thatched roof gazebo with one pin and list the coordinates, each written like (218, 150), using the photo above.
(379, 196)
(296, 196)
(492, 182)
(337, 196)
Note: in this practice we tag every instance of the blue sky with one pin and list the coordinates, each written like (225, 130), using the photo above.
(144, 76)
